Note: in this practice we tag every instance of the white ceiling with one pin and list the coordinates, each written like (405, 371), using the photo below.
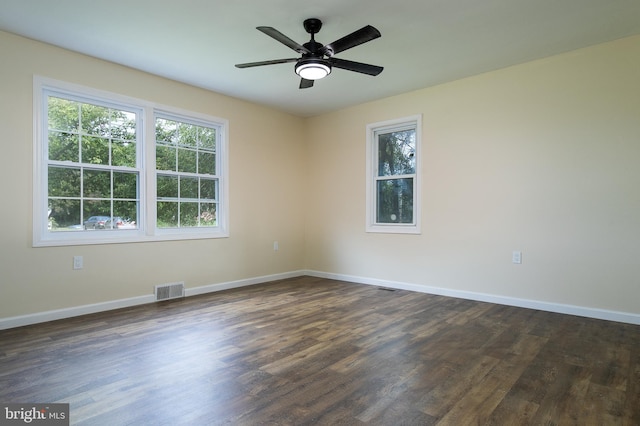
(424, 42)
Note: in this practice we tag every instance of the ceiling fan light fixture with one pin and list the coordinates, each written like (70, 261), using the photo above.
(313, 69)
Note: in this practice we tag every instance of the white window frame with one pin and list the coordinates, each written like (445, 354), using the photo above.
(197, 120)
(147, 230)
(414, 121)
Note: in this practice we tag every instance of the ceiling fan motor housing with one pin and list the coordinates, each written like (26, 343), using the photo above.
(312, 25)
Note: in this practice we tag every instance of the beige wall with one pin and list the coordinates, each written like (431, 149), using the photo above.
(266, 164)
(542, 157)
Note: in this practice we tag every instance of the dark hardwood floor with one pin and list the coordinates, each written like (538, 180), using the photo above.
(316, 351)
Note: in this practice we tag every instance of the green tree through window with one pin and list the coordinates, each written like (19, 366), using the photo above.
(186, 174)
(393, 176)
(92, 164)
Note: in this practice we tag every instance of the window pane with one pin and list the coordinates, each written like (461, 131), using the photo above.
(97, 208)
(188, 214)
(97, 184)
(167, 187)
(208, 214)
(95, 120)
(208, 189)
(64, 182)
(187, 134)
(123, 153)
(64, 215)
(125, 185)
(165, 158)
(207, 138)
(189, 188)
(395, 201)
(396, 153)
(127, 211)
(63, 114)
(167, 214)
(206, 163)
(123, 125)
(166, 130)
(95, 150)
(63, 146)
(187, 161)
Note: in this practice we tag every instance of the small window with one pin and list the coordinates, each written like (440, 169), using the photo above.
(393, 179)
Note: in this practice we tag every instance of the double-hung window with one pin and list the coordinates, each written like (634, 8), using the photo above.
(393, 176)
(187, 179)
(114, 169)
(92, 164)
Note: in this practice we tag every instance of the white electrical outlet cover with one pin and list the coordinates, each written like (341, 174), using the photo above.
(516, 257)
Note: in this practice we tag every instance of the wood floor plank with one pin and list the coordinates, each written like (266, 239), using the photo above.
(317, 351)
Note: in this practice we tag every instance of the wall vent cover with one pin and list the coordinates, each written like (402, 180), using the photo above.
(169, 291)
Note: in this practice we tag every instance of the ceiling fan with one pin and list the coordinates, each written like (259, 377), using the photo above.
(317, 60)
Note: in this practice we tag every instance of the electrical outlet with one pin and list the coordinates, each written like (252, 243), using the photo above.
(276, 246)
(516, 257)
(77, 262)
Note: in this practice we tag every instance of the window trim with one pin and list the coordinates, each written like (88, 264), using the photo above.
(371, 176)
(221, 166)
(147, 230)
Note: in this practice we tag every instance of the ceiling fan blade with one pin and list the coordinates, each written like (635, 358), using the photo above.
(273, 62)
(356, 66)
(277, 35)
(356, 38)
(305, 84)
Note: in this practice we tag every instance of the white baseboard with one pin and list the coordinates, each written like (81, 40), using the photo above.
(39, 317)
(75, 311)
(241, 283)
(625, 317)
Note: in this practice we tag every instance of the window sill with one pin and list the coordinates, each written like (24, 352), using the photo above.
(127, 237)
(394, 229)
